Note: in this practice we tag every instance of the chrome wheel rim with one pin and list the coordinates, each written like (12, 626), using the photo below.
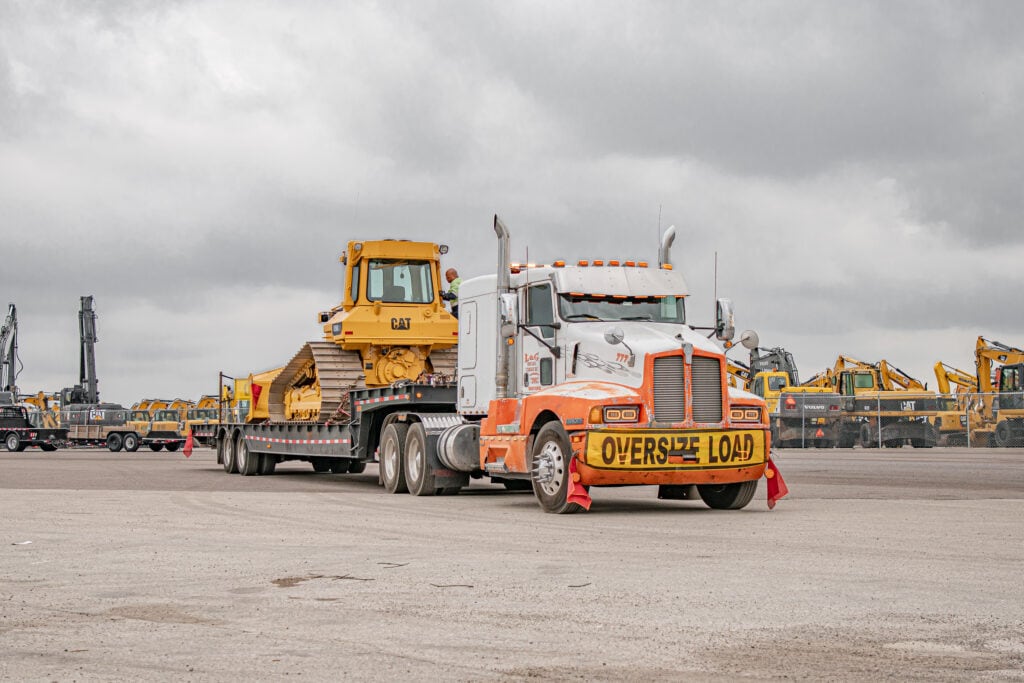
(549, 468)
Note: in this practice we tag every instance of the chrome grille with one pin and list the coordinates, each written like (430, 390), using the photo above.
(706, 385)
(669, 393)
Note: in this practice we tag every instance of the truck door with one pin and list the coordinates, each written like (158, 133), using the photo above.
(536, 363)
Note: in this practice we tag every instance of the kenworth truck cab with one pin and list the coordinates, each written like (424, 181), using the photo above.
(571, 376)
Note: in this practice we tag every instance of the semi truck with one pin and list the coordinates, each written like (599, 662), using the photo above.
(569, 377)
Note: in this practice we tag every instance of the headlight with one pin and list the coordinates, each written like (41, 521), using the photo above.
(745, 414)
(614, 414)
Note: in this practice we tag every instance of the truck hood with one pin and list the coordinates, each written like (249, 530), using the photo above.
(596, 359)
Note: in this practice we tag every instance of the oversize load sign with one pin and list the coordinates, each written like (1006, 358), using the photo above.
(672, 450)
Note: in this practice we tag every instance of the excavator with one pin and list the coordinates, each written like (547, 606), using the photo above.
(1000, 376)
(881, 404)
(390, 327)
(957, 408)
(800, 415)
(739, 374)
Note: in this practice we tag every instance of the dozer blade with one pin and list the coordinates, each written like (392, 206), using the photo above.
(336, 370)
(444, 361)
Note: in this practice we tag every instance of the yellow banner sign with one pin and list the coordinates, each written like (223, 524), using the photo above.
(656, 450)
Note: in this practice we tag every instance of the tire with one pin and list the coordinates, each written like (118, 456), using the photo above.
(155, 447)
(419, 476)
(230, 445)
(247, 462)
(894, 443)
(517, 484)
(340, 466)
(13, 442)
(727, 496)
(173, 447)
(357, 466)
(549, 470)
(392, 468)
(320, 465)
(868, 436)
(131, 442)
(114, 442)
(268, 463)
(48, 447)
(1002, 435)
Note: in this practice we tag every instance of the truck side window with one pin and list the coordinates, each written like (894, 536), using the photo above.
(540, 309)
(758, 387)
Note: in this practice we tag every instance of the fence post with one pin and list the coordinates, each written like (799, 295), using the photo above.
(879, 400)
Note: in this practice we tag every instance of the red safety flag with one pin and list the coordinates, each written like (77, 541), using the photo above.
(187, 450)
(577, 492)
(257, 389)
(776, 486)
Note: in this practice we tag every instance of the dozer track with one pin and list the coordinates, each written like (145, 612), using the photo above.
(337, 370)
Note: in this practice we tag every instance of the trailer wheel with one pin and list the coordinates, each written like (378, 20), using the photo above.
(418, 474)
(549, 467)
(13, 442)
(868, 436)
(173, 447)
(248, 463)
(48, 447)
(230, 463)
(340, 466)
(392, 447)
(114, 442)
(155, 447)
(727, 496)
(131, 443)
(268, 463)
(320, 465)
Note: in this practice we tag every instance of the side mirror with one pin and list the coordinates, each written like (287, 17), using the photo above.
(509, 312)
(725, 325)
(749, 339)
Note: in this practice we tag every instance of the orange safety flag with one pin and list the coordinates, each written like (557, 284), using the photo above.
(776, 486)
(577, 492)
(187, 450)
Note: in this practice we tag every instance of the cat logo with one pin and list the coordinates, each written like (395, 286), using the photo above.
(401, 323)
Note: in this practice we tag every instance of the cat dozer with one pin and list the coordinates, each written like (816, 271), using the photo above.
(390, 327)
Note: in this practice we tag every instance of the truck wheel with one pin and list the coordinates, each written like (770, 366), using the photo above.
(727, 496)
(114, 442)
(418, 474)
(230, 446)
(549, 468)
(340, 466)
(131, 443)
(13, 442)
(155, 447)
(173, 447)
(268, 463)
(392, 469)
(48, 447)
(1002, 435)
(248, 463)
(321, 465)
(357, 466)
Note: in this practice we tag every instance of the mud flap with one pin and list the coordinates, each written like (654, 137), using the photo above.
(576, 493)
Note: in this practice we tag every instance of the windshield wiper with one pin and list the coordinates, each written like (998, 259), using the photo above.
(637, 317)
(585, 316)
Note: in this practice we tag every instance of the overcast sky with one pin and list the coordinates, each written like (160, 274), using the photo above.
(198, 167)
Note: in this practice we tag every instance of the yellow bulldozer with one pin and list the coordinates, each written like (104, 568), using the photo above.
(391, 326)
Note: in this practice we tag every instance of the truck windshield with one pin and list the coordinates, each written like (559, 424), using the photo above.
(399, 282)
(664, 309)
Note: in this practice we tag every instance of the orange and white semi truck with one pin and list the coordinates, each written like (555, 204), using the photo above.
(569, 377)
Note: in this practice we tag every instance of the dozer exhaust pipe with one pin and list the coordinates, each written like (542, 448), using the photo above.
(504, 282)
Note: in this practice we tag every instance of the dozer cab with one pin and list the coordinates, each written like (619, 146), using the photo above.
(391, 326)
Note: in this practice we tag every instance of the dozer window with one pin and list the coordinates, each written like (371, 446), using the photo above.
(399, 282)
